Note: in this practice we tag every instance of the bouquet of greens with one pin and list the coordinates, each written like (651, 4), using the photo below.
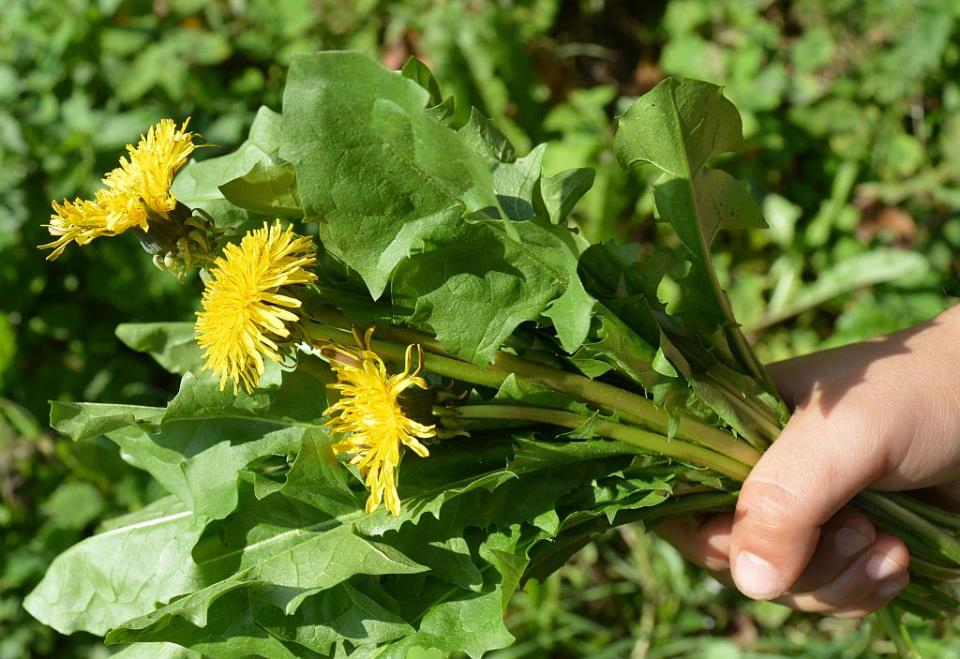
(412, 386)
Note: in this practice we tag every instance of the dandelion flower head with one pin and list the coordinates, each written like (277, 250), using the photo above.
(136, 191)
(246, 307)
(371, 417)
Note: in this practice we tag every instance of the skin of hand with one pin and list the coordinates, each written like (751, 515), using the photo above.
(883, 415)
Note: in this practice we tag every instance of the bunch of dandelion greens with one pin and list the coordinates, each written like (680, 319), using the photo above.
(424, 389)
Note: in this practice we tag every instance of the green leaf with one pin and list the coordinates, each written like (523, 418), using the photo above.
(502, 551)
(172, 345)
(532, 455)
(427, 485)
(438, 544)
(725, 203)
(662, 365)
(408, 201)
(618, 346)
(562, 191)
(319, 480)
(198, 184)
(677, 127)
(232, 633)
(487, 140)
(86, 420)
(417, 71)
(296, 544)
(321, 561)
(528, 392)
(586, 429)
(268, 189)
(398, 173)
(341, 613)
(571, 314)
(595, 507)
(105, 580)
(515, 184)
(206, 437)
(606, 497)
(543, 473)
(473, 306)
(472, 624)
(156, 651)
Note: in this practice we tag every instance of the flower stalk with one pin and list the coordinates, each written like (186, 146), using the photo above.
(630, 407)
(644, 440)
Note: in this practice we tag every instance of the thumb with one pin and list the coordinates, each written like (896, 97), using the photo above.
(813, 469)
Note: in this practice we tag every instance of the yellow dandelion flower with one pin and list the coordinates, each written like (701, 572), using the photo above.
(244, 302)
(136, 192)
(370, 414)
(78, 221)
(143, 180)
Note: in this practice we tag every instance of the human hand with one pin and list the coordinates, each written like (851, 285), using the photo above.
(885, 415)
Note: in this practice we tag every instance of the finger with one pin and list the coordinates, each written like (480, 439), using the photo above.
(863, 582)
(842, 540)
(798, 379)
(789, 377)
(706, 542)
(879, 599)
(799, 483)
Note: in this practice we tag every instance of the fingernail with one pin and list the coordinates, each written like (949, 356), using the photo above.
(893, 586)
(756, 577)
(880, 567)
(849, 542)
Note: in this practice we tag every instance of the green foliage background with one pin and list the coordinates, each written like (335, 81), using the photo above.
(851, 113)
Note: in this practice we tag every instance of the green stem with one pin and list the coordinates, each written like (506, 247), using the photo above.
(631, 407)
(315, 368)
(929, 512)
(889, 619)
(919, 544)
(646, 441)
(933, 570)
(931, 594)
(445, 366)
(694, 503)
(942, 541)
(738, 341)
(694, 442)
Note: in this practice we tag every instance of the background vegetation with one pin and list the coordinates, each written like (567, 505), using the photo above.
(853, 118)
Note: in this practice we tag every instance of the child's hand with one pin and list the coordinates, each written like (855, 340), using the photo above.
(885, 415)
